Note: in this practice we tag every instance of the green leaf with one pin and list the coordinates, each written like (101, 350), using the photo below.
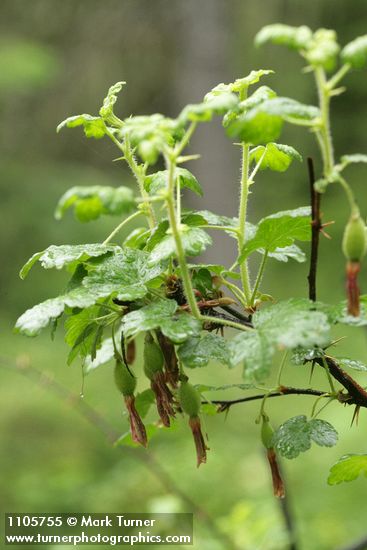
(274, 156)
(238, 85)
(293, 323)
(346, 363)
(153, 183)
(214, 105)
(194, 241)
(352, 159)
(278, 231)
(143, 401)
(60, 256)
(91, 202)
(40, 316)
(106, 111)
(296, 435)
(287, 108)
(323, 49)
(348, 468)
(104, 354)
(93, 125)
(177, 326)
(83, 333)
(151, 134)
(197, 352)
(355, 53)
(283, 254)
(296, 38)
(126, 275)
(137, 238)
(255, 350)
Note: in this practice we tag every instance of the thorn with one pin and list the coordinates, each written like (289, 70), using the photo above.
(312, 371)
(355, 415)
(325, 234)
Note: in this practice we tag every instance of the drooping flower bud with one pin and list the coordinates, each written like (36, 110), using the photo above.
(354, 248)
(153, 368)
(189, 399)
(126, 384)
(267, 440)
(172, 373)
(355, 239)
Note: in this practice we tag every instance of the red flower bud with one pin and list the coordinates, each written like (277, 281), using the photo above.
(201, 448)
(278, 485)
(137, 428)
(164, 398)
(352, 287)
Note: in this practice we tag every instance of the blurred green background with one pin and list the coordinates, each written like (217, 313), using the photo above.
(59, 58)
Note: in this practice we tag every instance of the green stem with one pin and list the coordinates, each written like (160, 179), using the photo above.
(281, 367)
(225, 322)
(185, 140)
(338, 76)
(121, 225)
(242, 220)
(138, 172)
(324, 89)
(236, 292)
(259, 277)
(185, 274)
(327, 150)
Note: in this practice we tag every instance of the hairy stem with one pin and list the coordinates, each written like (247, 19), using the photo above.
(185, 274)
(242, 214)
(259, 277)
(121, 225)
(138, 172)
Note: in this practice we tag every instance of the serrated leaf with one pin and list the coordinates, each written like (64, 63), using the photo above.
(353, 159)
(83, 333)
(295, 38)
(355, 53)
(274, 156)
(194, 241)
(238, 85)
(346, 363)
(126, 275)
(40, 316)
(296, 435)
(91, 202)
(93, 125)
(214, 105)
(197, 352)
(348, 468)
(153, 183)
(279, 230)
(283, 254)
(293, 323)
(60, 256)
(177, 326)
(255, 351)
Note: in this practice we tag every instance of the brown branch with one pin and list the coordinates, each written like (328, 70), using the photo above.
(224, 405)
(356, 394)
(94, 418)
(316, 226)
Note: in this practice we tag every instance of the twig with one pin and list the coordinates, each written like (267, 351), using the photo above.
(356, 394)
(94, 418)
(285, 508)
(236, 314)
(316, 226)
(224, 405)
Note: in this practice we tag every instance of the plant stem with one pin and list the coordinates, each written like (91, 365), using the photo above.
(245, 182)
(259, 277)
(338, 76)
(138, 172)
(185, 140)
(170, 201)
(236, 292)
(323, 133)
(121, 225)
(225, 322)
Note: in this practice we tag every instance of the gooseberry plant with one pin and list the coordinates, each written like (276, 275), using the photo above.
(147, 289)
